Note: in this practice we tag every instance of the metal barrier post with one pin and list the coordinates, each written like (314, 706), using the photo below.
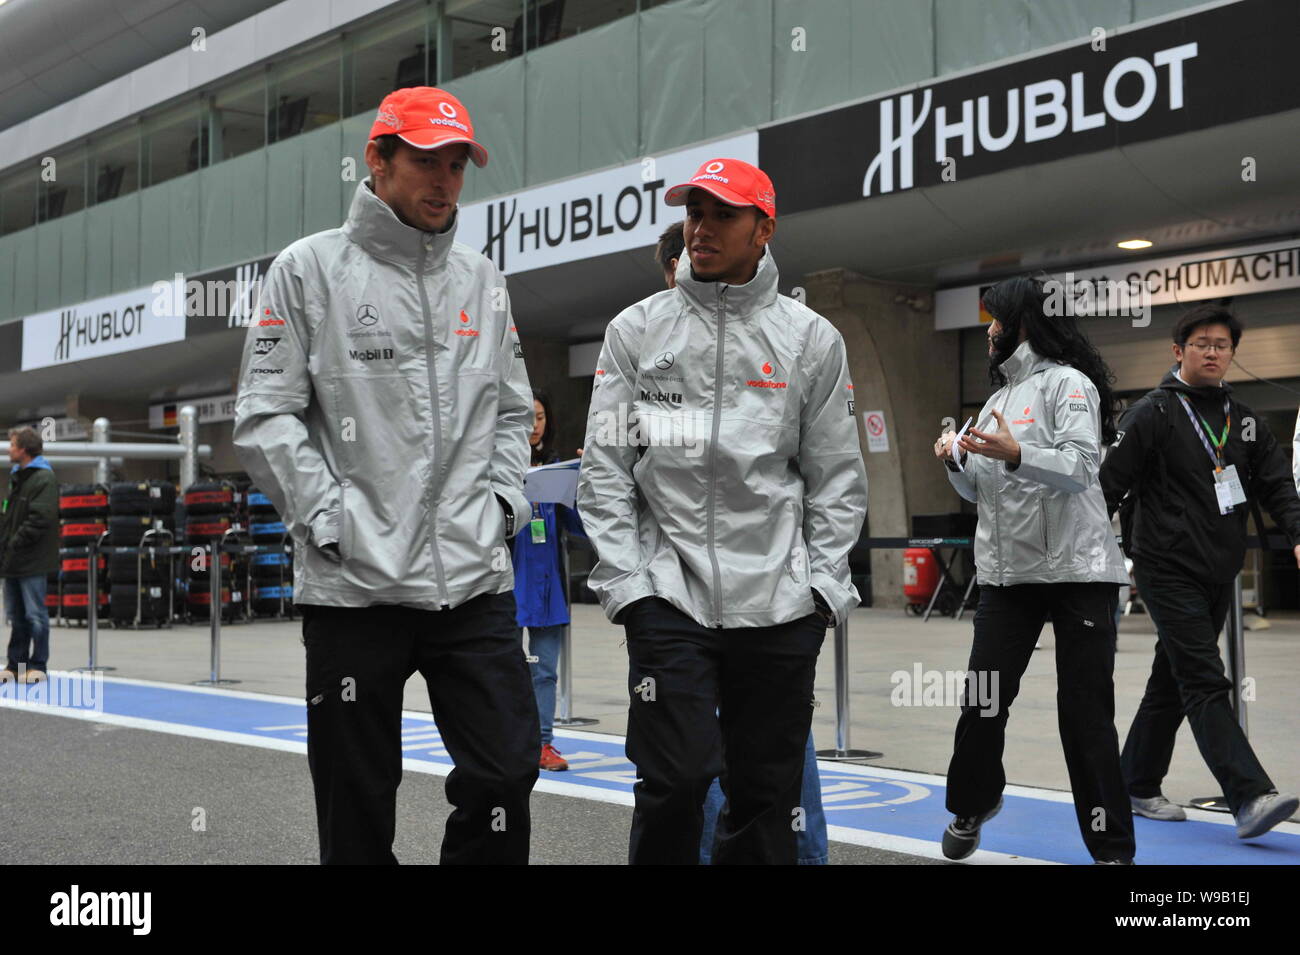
(92, 609)
(214, 616)
(99, 435)
(1237, 654)
(564, 676)
(842, 750)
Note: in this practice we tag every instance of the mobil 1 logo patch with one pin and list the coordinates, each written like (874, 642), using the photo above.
(368, 355)
(264, 346)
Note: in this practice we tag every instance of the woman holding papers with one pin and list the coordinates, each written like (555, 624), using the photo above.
(542, 606)
(1043, 548)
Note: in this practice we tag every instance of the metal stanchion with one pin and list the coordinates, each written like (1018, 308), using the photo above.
(1235, 632)
(214, 616)
(842, 750)
(92, 609)
(565, 670)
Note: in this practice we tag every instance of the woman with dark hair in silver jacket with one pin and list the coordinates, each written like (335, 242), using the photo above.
(1044, 549)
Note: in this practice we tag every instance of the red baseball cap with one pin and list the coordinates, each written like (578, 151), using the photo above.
(734, 181)
(427, 118)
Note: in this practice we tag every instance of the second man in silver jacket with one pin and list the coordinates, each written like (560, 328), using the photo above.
(722, 487)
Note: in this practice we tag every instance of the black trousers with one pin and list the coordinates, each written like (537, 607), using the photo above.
(681, 676)
(1188, 679)
(358, 662)
(1007, 625)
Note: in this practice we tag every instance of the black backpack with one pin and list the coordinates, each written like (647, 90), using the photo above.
(1128, 507)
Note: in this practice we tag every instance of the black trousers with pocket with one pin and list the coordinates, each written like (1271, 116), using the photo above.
(358, 662)
(1188, 679)
(1007, 624)
(709, 703)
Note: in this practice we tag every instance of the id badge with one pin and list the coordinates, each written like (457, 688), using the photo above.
(1228, 477)
(538, 527)
(1223, 495)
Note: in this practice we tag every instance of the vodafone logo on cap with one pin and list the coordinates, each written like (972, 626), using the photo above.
(715, 166)
(447, 110)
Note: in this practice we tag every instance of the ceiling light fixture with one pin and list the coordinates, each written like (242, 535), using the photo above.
(1134, 244)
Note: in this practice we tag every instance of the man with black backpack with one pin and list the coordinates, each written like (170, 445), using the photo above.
(1188, 461)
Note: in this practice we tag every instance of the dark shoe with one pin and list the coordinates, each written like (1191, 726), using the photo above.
(1113, 862)
(1159, 808)
(962, 837)
(1263, 813)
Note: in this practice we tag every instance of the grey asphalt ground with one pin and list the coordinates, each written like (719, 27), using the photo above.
(96, 793)
(84, 793)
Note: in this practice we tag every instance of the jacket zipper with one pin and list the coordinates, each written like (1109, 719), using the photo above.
(344, 523)
(435, 484)
(713, 462)
(1042, 516)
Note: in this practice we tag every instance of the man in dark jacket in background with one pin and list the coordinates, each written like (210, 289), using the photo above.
(29, 551)
(1190, 457)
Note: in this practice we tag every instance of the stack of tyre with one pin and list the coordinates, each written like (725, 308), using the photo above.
(141, 513)
(210, 512)
(83, 518)
(272, 569)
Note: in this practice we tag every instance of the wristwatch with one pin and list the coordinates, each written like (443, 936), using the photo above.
(510, 517)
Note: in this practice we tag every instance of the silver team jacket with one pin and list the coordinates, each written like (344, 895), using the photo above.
(383, 404)
(1044, 522)
(722, 470)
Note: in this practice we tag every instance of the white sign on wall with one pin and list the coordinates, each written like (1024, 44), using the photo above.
(103, 326)
(877, 433)
(216, 408)
(65, 428)
(1175, 279)
(610, 211)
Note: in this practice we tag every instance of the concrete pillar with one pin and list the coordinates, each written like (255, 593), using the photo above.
(905, 369)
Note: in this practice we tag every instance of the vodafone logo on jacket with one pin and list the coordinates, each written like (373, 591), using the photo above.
(465, 328)
(768, 371)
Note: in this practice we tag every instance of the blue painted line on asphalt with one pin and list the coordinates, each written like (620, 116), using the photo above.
(1033, 824)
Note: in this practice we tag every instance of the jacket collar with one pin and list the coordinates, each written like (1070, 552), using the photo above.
(374, 226)
(1024, 361)
(35, 463)
(738, 300)
(1173, 381)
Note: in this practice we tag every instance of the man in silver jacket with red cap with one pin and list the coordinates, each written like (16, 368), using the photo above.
(385, 410)
(722, 486)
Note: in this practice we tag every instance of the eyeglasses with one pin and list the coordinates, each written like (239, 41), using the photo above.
(1209, 347)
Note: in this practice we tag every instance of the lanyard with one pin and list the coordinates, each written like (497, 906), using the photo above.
(1216, 455)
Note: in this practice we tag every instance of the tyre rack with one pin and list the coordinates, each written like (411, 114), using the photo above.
(171, 551)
